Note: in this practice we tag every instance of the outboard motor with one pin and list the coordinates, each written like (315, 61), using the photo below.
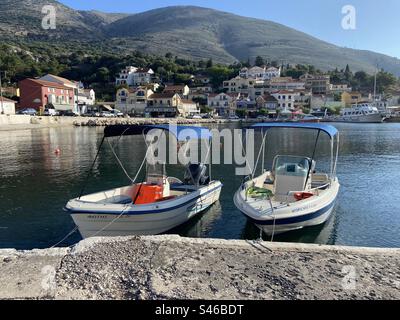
(196, 174)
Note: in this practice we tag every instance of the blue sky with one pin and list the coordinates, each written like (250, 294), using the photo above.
(377, 21)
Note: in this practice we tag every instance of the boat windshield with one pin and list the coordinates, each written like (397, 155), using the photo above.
(155, 173)
(291, 166)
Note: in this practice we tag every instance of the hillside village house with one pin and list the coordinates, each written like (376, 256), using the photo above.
(201, 80)
(199, 92)
(72, 85)
(243, 102)
(262, 73)
(133, 100)
(224, 104)
(86, 98)
(285, 83)
(38, 94)
(318, 84)
(7, 106)
(189, 108)
(133, 76)
(182, 90)
(164, 104)
(244, 86)
(339, 88)
(286, 99)
(267, 102)
(349, 98)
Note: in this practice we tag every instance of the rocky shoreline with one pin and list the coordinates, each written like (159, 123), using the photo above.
(20, 122)
(96, 122)
(171, 267)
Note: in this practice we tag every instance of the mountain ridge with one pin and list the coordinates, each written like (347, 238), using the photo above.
(189, 32)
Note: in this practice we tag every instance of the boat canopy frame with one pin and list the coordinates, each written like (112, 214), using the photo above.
(330, 130)
(181, 133)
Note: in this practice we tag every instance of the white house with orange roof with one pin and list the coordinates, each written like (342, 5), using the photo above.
(133, 100)
(224, 104)
(286, 99)
(263, 73)
(134, 76)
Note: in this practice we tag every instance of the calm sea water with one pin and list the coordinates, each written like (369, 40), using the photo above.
(35, 184)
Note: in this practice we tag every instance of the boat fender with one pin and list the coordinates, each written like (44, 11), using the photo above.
(303, 195)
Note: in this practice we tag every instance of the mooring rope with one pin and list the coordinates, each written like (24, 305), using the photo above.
(109, 224)
(65, 238)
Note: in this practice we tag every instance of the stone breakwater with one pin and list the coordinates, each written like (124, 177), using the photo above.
(21, 122)
(96, 122)
(171, 267)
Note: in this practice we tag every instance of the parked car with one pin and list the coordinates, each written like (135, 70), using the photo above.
(68, 113)
(233, 117)
(28, 111)
(50, 112)
(107, 114)
(91, 114)
(196, 116)
(117, 113)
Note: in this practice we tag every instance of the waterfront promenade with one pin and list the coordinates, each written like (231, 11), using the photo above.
(171, 267)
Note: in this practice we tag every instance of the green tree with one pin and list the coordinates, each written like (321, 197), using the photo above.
(259, 61)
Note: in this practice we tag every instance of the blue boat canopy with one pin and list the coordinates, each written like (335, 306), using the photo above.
(330, 130)
(182, 133)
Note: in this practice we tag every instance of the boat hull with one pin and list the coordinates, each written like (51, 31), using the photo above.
(145, 219)
(369, 118)
(311, 212)
(311, 219)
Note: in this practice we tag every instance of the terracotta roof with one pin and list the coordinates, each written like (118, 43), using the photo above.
(48, 84)
(269, 98)
(176, 87)
(162, 95)
(188, 101)
(65, 81)
(4, 99)
(142, 70)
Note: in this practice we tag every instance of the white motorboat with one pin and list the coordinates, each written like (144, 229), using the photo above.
(361, 113)
(292, 195)
(156, 205)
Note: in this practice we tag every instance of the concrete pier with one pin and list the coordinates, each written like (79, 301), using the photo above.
(171, 267)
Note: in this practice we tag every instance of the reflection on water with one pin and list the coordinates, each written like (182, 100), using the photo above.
(35, 184)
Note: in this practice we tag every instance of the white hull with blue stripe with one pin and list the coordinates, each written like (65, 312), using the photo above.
(112, 213)
(293, 194)
(279, 216)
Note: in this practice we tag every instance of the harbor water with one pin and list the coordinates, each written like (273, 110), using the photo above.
(36, 183)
